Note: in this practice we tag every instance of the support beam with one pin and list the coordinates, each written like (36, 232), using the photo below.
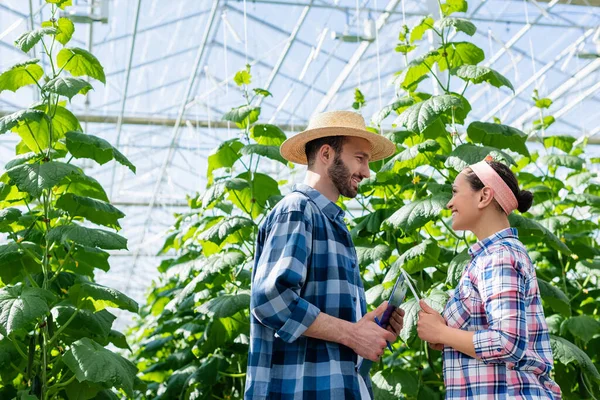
(559, 91)
(577, 100)
(286, 50)
(362, 48)
(538, 74)
(126, 86)
(278, 29)
(176, 131)
(518, 36)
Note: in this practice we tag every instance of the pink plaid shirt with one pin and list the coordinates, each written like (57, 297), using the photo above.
(498, 299)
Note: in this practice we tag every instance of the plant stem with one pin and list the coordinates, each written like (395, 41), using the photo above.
(63, 327)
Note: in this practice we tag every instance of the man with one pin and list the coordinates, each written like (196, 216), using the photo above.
(309, 326)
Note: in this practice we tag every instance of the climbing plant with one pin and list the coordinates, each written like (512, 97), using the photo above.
(54, 321)
(192, 338)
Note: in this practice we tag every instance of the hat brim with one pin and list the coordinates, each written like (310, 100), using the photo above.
(294, 148)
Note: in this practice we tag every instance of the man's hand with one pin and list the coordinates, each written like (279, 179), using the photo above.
(396, 321)
(430, 325)
(368, 339)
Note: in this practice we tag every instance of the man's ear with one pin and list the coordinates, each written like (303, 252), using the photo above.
(486, 196)
(326, 154)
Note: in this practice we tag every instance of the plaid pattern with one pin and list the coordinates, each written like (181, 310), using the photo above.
(305, 263)
(498, 299)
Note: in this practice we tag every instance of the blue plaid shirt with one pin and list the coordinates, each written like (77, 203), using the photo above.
(305, 263)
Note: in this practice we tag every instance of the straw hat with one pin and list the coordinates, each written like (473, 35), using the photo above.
(335, 123)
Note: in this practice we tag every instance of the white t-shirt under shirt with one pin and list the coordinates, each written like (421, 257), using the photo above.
(364, 392)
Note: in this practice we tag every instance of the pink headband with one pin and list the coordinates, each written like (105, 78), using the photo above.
(502, 193)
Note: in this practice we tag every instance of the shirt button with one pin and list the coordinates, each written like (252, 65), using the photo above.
(498, 349)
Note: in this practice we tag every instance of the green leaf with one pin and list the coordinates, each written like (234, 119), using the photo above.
(543, 103)
(459, 53)
(415, 259)
(533, 229)
(95, 297)
(555, 298)
(87, 237)
(418, 68)
(81, 145)
(452, 6)
(119, 339)
(564, 143)
(468, 154)
(91, 362)
(67, 86)
(65, 30)
(16, 259)
(242, 77)
(457, 266)
(12, 120)
(80, 62)
(460, 24)
(36, 135)
(62, 4)
(208, 372)
(404, 48)
(211, 266)
(394, 384)
(221, 332)
(398, 106)
(224, 228)
(419, 30)
(567, 353)
(86, 260)
(26, 41)
(478, 74)
(34, 178)
(267, 135)
(562, 160)
(436, 300)
(271, 152)
(583, 327)
(82, 185)
(419, 117)
(225, 305)
(416, 214)
(83, 324)
(367, 255)
(262, 92)
(359, 99)
(95, 211)
(242, 116)
(7, 217)
(82, 390)
(253, 199)
(224, 156)
(20, 307)
(19, 75)
(543, 123)
(498, 136)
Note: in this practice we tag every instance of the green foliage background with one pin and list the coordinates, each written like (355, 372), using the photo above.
(191, 340)
(54, 321)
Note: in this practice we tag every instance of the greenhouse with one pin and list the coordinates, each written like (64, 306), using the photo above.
(215, 199)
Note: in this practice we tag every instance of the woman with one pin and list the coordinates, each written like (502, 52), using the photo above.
(493, 331)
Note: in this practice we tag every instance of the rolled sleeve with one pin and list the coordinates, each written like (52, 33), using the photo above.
(502, 288)
(280, 275)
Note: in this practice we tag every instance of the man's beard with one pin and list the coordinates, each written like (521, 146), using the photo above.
(341, 178)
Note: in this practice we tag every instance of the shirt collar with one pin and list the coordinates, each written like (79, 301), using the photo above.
(483, 244)
(327, 207)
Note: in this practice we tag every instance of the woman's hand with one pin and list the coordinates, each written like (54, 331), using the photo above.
(431, 325)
